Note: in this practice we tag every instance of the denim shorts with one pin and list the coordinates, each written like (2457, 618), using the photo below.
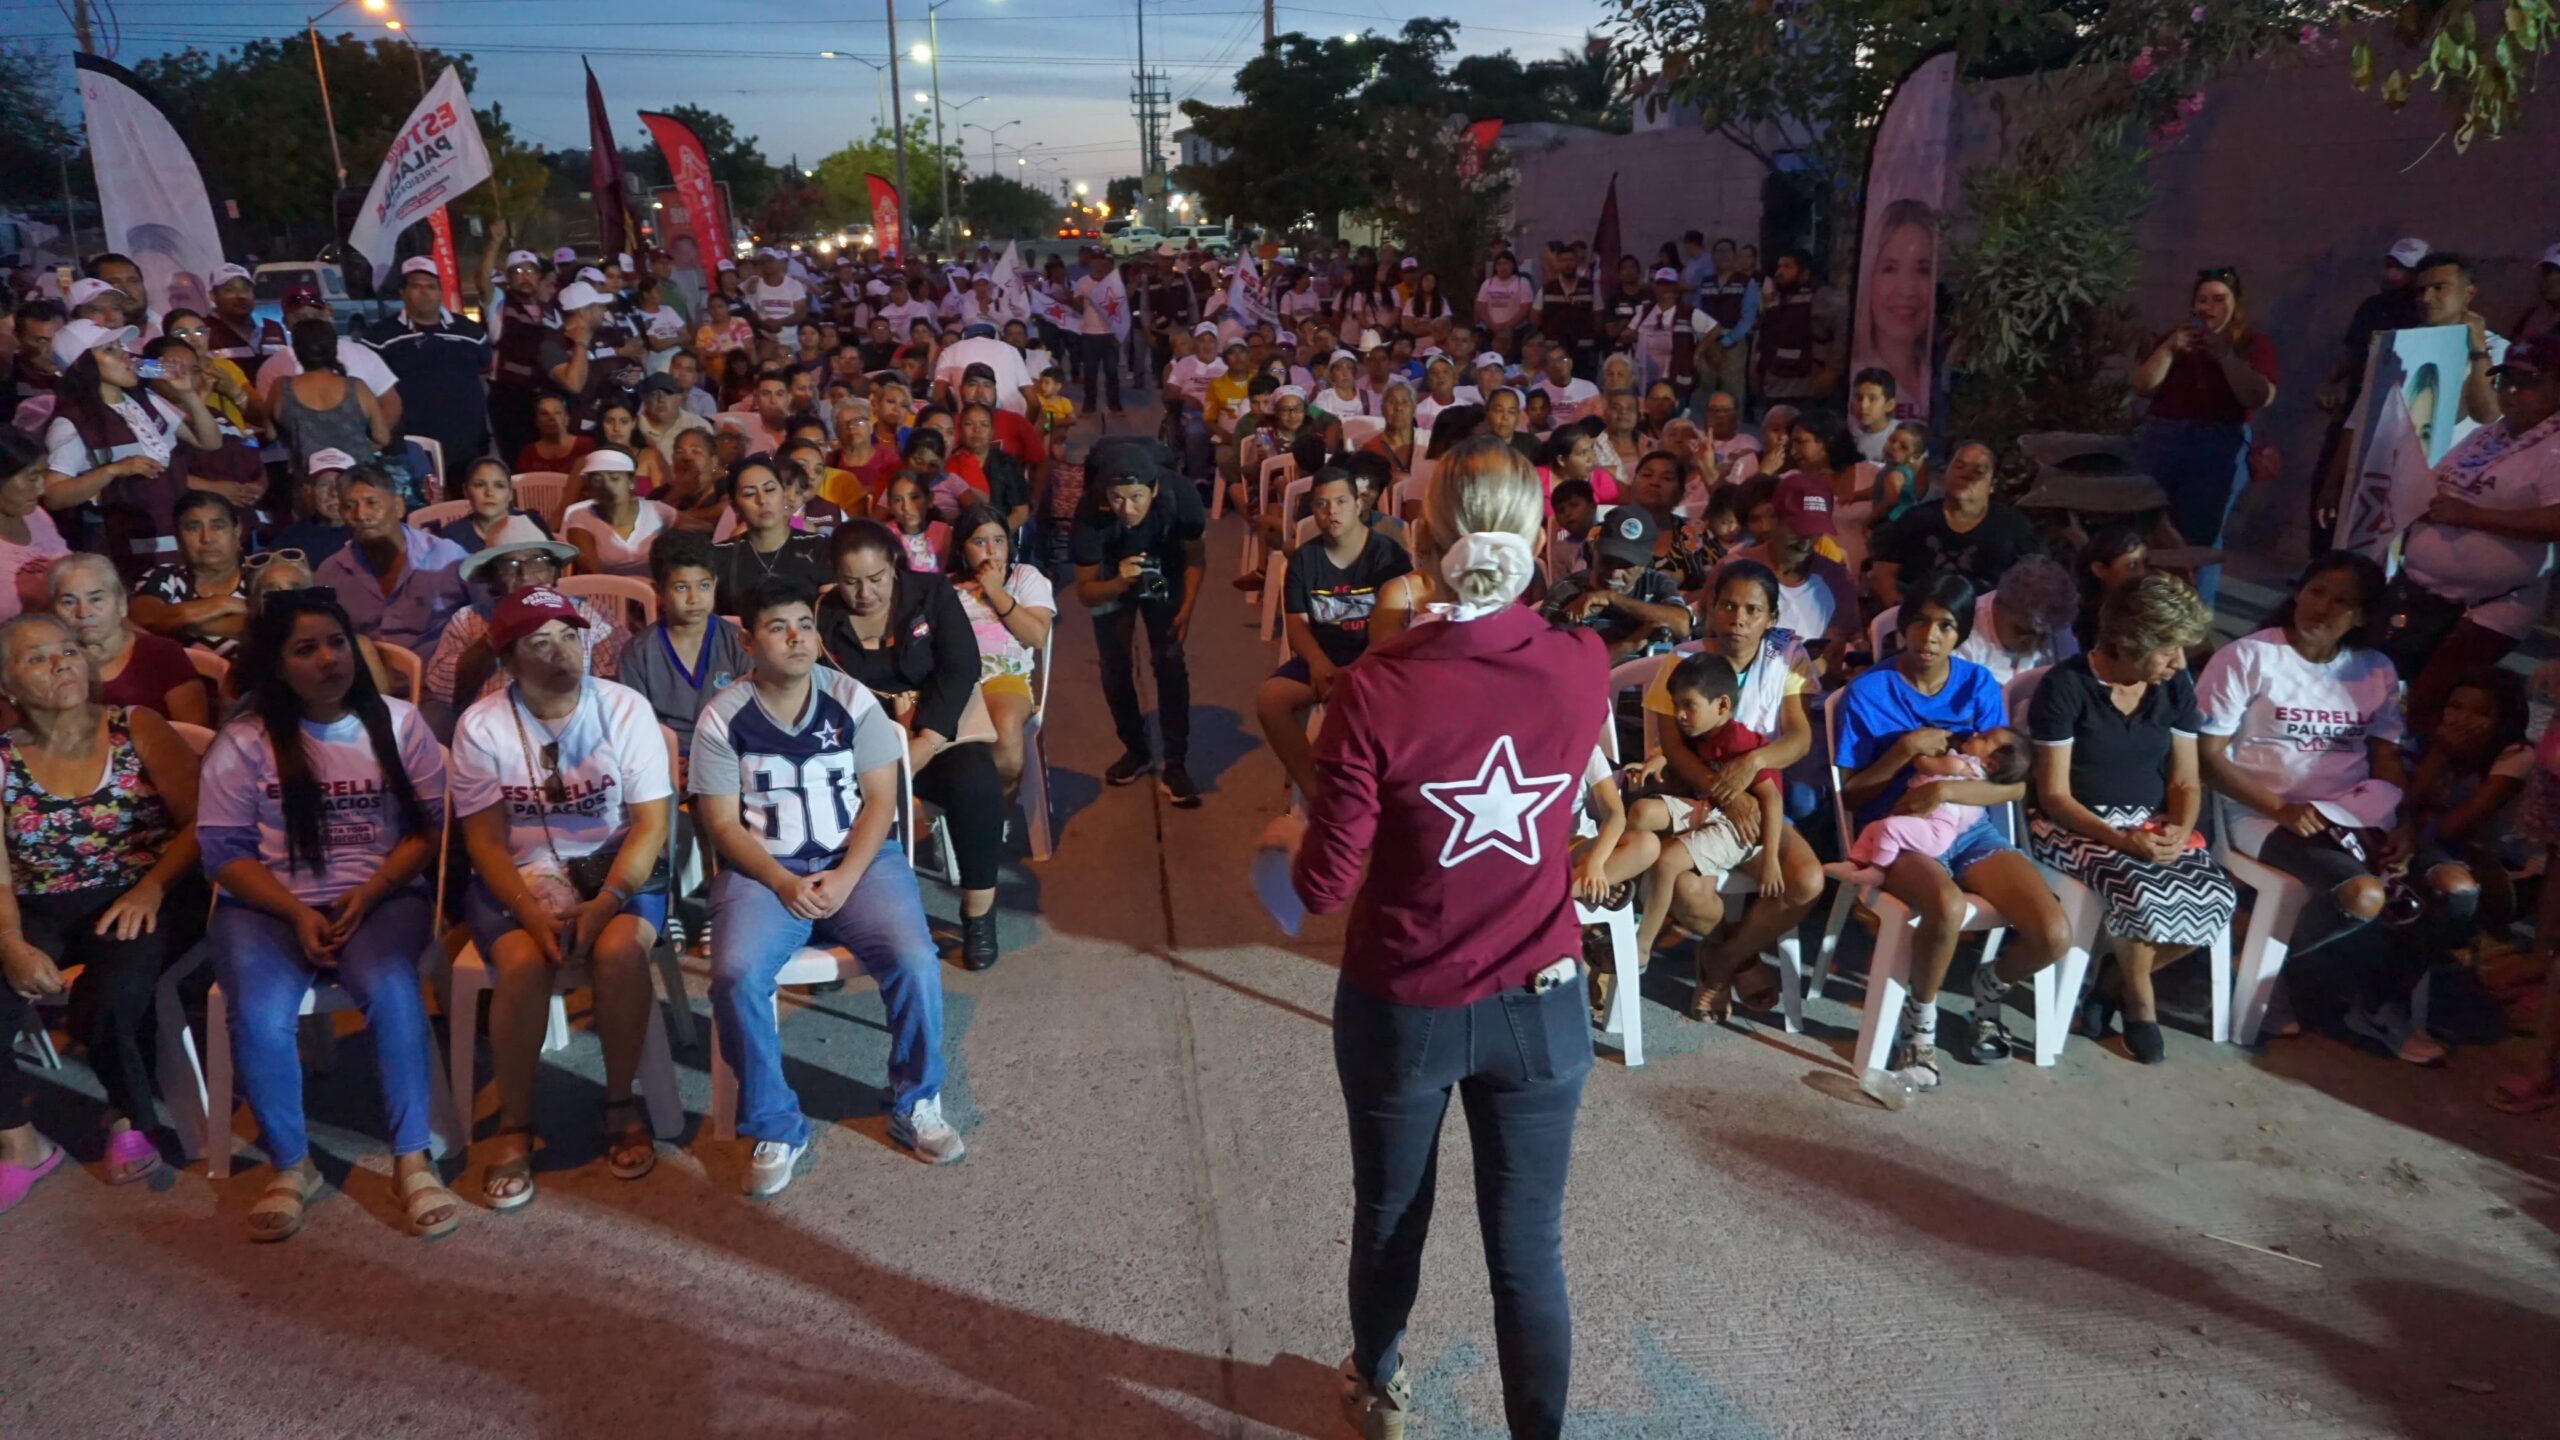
(490, 921)
(1980, 841)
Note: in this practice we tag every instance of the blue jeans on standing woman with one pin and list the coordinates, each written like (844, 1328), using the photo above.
(2203, 467)
(1518, 1061)
(264, 976)
(882, 922)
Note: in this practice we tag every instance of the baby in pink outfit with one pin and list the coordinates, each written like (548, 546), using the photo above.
(1998, 755)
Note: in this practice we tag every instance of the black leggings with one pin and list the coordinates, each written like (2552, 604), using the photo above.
(110, 1008)
(962, 781)
(2388, 959)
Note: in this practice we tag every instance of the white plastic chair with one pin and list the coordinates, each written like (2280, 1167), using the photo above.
(544, 493)
(468, 978)
(1035, 758)
(2279, 904)
(1286, 469)
(1889, 969)
(628, 589)
(808, 965)
(1626, 1001)
(1885, 627)
(2084, 913)
(427, 517)
(433, 449)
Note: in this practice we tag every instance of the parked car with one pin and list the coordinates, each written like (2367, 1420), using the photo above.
(1211, 238)
(1136, 240)
(271, 280)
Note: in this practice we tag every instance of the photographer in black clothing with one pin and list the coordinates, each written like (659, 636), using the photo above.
(1138, 554)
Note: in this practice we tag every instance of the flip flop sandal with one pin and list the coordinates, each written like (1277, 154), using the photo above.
(2524, 1095)
(631, 1148)
(130, 1156)
(422, 1194)
(17, 1180)
(500, 1173)
(284, 1200)
(1712, 1004)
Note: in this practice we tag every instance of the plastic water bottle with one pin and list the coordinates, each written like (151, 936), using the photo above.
(1889, 1088)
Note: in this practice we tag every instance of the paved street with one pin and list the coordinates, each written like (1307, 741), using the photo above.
(1148, 1236)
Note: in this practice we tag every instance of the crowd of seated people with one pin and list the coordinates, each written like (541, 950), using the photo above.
(245, 665)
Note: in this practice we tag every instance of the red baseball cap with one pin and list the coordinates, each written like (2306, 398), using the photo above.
(524, 611)
(297, 297)
(1804, 503)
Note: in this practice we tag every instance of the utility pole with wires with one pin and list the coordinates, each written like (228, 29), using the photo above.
(1267, 41)
(1154, 101)
(80, 27)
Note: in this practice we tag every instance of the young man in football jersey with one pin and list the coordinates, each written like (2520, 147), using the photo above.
(794, 773)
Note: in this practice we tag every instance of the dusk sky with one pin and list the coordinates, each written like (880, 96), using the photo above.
(1059, 67)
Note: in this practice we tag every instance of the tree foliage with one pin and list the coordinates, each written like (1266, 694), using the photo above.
(1124, 193)
(1577, 87)
(1441, 201)
(1292, 139)
(35, 140)
(846, 200)
(1001, 208)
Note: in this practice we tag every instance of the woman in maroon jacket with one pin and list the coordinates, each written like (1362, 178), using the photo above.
(1449, 759)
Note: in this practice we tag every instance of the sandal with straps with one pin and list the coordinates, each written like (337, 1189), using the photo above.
(515, 1171)
(421, 1194)
(631, 1148)
(278, 1213)
(2526, 1095)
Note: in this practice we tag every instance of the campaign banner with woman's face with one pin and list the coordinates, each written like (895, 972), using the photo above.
(1895, 310)
(150, 196)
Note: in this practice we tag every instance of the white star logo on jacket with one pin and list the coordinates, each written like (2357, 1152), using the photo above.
(1497, 809)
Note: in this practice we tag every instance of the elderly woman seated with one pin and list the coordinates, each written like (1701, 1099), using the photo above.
(465, 666)
(132, 666)
(99, 807)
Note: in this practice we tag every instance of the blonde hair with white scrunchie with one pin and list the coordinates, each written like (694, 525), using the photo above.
(1480, 520)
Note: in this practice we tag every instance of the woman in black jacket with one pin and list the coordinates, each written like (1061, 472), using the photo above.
(905, 636)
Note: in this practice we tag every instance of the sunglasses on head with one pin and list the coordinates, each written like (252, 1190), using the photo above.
(303, 597)
(265, 557)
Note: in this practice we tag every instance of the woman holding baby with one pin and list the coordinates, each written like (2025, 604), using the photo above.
(2118, 784)
(1919, 706)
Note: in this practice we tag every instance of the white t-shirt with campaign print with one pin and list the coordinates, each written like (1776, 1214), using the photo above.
(610, 758)
(2297, 728)
(774, 303)
(240, 806)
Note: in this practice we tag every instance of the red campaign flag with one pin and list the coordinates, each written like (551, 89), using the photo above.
(887, 218)
(604, 175)
(1604, 241)
(448, 268)
(690, 164)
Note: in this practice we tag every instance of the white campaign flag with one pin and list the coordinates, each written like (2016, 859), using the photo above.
(1244, 293)
(435, 157)
(1111, 297)
(150, 197)
(1012, 279)
(2392, 488)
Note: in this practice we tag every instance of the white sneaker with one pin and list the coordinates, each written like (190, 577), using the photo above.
(1377, 1412)
(773, 1166)
(922, 1129)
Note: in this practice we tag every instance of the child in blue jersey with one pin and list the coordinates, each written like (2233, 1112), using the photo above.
(319, 810)
(794, 775)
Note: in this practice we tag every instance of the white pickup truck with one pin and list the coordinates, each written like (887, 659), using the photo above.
(272, 279)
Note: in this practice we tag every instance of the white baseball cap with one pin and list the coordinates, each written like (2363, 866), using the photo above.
(578, 295)
(328, 460)
(876, 287)
(523, 257)
(604, 460)
(591, 274)
(1489, 357)
(79, 337)
(1204, 328)
(85, 290)
(2551, 256)
(225, 273)
(623, 260)
(418, 265)
(726, 264)
(565, 255)
(2406, 251)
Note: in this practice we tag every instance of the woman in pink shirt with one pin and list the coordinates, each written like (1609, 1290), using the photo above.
(1447, 765)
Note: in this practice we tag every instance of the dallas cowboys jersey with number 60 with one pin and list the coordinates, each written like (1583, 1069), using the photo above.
(797, 781)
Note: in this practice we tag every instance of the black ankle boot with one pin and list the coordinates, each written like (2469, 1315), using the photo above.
(978, 948)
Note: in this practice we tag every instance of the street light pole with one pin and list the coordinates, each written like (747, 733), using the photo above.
(941, 157)
(898, 126)
(328, 116)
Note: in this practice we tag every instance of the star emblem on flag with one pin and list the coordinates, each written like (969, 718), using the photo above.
(1496, 808)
